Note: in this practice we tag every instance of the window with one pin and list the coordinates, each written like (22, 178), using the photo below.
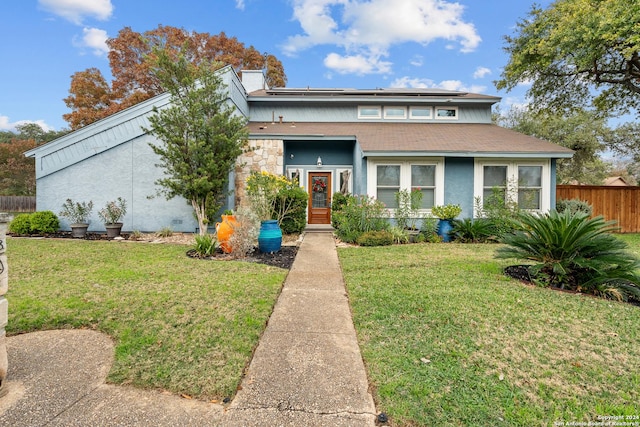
(423, 178)
(374, 112)
(526, 183)
(395, 113)
(388, 184)
(447, 113)
(420, 113)
(529, 187)
(389, 177)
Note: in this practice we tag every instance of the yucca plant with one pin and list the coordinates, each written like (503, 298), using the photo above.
(206, 244)
(573, 251)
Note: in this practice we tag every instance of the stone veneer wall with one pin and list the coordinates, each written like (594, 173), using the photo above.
(265, 155)
(4, 314)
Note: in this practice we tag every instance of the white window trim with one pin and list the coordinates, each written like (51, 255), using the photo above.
(446, 107)
(512, 177)
(372, 107)
(405, 176)
(389, 107)
(412, 117)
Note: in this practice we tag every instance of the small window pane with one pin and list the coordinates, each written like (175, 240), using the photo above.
(420, 113)
(495, 176)
(530, 176)
(529, 198)
(388, 197)
(447, 112)
(395, 112)
(428, 198)
(389, 175)
(423, 176)
(369, 112)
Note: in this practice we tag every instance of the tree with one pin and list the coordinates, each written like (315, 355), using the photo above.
(202, 135)
(577, 53)
(131, 59)
(584, 132)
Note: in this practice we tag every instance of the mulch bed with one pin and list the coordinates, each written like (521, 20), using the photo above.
(283, 258)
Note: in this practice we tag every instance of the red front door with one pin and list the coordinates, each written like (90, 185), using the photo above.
(319, 197)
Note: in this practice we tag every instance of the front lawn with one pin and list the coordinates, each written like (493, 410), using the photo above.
(179, 324)
(448, 340)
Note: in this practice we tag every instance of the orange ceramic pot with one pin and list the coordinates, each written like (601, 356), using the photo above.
(224, 230)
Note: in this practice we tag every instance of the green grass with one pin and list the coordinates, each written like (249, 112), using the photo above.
(449, 341)
(179, 324)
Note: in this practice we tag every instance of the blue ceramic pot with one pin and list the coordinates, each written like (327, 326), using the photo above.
(444, 229)
(270, 237)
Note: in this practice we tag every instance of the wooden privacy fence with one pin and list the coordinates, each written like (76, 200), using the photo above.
(621, 204)
(17, 204)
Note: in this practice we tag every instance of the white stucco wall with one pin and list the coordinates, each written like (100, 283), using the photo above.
(128, 171)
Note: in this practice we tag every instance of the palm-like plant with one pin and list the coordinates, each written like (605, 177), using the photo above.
(573, 251)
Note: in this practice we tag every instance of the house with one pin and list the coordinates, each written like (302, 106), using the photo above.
(616, 181)
(373, 142)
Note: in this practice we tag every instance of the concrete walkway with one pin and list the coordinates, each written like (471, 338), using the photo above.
(306, 371)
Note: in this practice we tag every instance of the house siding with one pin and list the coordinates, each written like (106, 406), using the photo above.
(125, 171)
(330, 112)
(458, 184)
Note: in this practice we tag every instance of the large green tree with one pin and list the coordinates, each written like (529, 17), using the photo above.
(578, 53)
(582, 131)
(202, 135)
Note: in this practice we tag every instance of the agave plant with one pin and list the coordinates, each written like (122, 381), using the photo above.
(573, 251)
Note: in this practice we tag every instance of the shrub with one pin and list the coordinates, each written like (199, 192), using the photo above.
(21, 224)
(446, 211)
(375, 238)
(206, 244)
(44, 222)
(573, 251)
(479, 230)
(246, 229)
(573, 206)
(136, 235)
(408, 211)
(500, 212)
(276, 197)
(292, 199)
(429, 229)
(165, 232)
(359, 215)
(399, 235)
(76, 212)
(337, 203)
(113, 211)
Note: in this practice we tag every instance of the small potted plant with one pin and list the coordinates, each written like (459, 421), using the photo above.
(446, 214)
(78, 215)
(112, 214)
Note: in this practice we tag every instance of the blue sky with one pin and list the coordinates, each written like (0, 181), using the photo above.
(358, 44)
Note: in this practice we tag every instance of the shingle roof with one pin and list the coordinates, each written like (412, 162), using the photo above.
(442, 138)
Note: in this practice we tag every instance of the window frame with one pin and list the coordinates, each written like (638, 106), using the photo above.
(415, 107)
(378, 108)
(449, 107)
(389, 107)
(512, 185)
(405, 176)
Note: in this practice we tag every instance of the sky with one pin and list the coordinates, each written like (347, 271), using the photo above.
(360, 44)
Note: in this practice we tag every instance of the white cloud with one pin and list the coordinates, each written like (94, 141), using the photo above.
(454, 85)
(5, 124)
(356, 64)
(481, 72)
(368, 28)
(76, 10)
(417, 61)
(95, 39)
(240, 4)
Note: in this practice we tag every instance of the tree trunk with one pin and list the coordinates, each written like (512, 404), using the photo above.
(199, 208)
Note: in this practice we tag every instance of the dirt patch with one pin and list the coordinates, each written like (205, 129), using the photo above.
(283, 258)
